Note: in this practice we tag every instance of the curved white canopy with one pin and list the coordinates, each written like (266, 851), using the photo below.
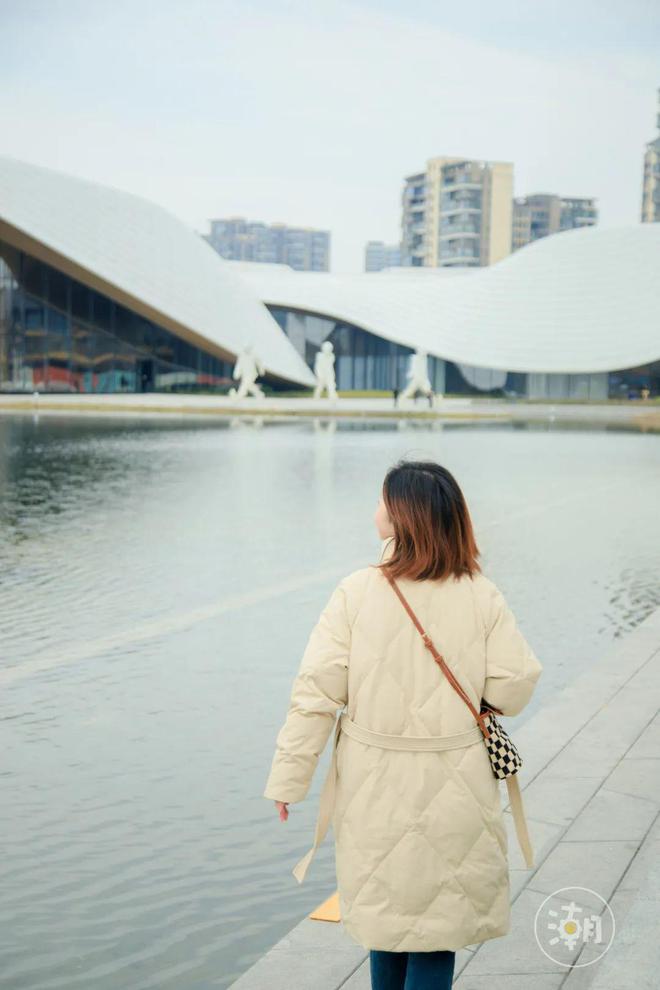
(140, 255)
(578, 301)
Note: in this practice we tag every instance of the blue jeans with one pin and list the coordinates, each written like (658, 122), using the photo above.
(411, 970)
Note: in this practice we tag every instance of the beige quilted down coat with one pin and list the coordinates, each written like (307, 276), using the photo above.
(420, 844)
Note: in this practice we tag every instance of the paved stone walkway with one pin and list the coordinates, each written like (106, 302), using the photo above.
(591, 781)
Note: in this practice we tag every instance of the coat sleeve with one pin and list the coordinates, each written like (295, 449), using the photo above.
(320, 690)
(512, 669)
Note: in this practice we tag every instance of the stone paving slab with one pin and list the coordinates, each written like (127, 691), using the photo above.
(553, 799)
(632, 962)
(551, 729)
(314, 954)
(648, 744)
(607, 848)
(597, 866)
(591, 788)
(518, 953)
(523, 981)
(607, 816)
(646, 858)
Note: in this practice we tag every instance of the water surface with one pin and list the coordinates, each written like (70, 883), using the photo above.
(158, 582)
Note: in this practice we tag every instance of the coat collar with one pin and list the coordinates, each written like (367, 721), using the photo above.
(387, 549)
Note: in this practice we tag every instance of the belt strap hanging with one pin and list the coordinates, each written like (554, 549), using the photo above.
(326, 804)
(519, 820)
(371, 738)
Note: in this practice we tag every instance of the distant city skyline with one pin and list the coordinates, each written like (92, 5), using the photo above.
(544, 214)
(650, 211)
(312, 113)
(378, 255)
(305, 249)
(457, 212)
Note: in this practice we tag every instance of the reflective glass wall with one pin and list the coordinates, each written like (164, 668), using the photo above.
(57, 335)
(364, 361)
(642, 381)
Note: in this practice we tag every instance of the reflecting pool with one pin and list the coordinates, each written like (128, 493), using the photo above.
(158, 581)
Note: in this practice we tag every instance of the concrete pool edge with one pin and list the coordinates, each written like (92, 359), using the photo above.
(644, 417)
(591, 774)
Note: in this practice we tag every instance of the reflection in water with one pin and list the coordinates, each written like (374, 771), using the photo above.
(158, 581)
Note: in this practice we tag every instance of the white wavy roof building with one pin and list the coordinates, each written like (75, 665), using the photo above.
(581, 301)
(584, 300)
(144, 258)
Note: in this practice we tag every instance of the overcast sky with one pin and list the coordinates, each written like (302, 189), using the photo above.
(312, 112)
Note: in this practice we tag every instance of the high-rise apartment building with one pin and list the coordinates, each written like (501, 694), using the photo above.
(651, 179)
(378, 255)
(542, 214)
(302, 248)
(457, 212)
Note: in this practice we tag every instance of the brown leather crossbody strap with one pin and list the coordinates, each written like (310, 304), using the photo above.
(480, 717)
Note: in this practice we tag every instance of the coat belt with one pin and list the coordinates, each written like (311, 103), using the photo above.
(385, 741)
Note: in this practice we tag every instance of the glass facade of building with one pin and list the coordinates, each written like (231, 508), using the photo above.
(58, 335)
(365, 361)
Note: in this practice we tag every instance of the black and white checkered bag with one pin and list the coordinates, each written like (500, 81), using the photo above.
(504, 757)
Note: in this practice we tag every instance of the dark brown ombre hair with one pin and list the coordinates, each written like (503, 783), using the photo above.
(432, 527)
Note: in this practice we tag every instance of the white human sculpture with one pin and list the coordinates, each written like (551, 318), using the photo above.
(324, 370)
(248, 367)
(418, 375)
